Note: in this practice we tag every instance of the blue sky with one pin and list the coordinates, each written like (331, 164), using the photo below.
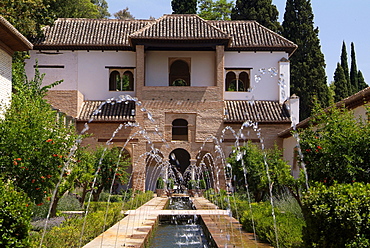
(337, 20)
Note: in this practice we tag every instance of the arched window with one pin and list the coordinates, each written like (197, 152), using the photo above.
(243, 83)
(179, 73)
(180, 130)
(121, 80)
(114, 80)
(237, 80)
(230, 84)
(127, 82)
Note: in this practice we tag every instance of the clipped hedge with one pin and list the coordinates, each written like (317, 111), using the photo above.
(15, 217)
(337, 216)
(68, 234)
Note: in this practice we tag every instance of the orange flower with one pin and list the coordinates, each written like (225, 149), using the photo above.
(33, 180)
(42, 177)
(19, 159)
(27, 205)
(49, 140)
(15, 162)
(48, 176)
(37, 188)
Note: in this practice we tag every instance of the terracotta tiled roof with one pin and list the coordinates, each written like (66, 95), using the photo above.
(258, 111)
(250, 35)
(123, 111)
(180, 27)
(81, 33)
(73, 33)
(12, 38)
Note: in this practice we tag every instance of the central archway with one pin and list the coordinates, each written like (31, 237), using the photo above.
(180, 159)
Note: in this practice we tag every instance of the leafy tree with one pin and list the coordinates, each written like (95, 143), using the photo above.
(340, 84)
(102, 6)
(263, 11)
(76, 9)
(308, 78)
(335, 147)
(108, 166)
(344, 64)
(15, 216)
(124, 14)
(248, 167)
(33, 144)
(184, 6)
(27, 17)
(361, 81)
(218, 10)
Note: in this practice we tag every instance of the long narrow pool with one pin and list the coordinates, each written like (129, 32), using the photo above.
(179, 231)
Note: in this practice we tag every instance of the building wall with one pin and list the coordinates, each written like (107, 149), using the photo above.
(265, 89)
(85, 71)
(5, 81)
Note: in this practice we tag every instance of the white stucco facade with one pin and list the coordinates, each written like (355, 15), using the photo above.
(88, 71)
(264, 83)
(5, 81)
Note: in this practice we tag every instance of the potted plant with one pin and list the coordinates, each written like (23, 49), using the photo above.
(170, 185)
(192, 185)
(160, 187)
(202, 187)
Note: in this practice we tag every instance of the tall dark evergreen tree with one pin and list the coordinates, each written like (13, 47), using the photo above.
(340, 84)
(263, 11)
(184, 6)
(353, 73)
(344, 64)
(361, 81)
(308, 78)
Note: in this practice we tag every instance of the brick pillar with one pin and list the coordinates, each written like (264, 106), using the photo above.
(220, 67)
(138, 166)
(140, 70)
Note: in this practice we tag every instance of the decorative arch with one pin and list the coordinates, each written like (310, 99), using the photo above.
(179, 73)
(114, 80)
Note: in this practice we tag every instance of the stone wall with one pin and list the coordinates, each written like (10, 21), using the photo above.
(67, 101)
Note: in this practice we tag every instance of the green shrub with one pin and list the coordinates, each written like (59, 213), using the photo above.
(160, 183)
(289, 226)
(337, 216)
(68, 203)
(15, 216)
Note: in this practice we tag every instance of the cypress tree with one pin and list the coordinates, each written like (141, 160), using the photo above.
(184, 6)
(344, 64)
(340, 84)
(263, 11)
(353, 74)
(361, 81)
(308, 77)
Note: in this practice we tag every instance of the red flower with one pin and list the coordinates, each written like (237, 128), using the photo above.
(48, 176)
(40, 204)
(15, 163)
(308, 150)
(55, 155)
(33, 180)
(319, 147)
(42, 177)
(37, 188)
(49, 140)
(19, 159)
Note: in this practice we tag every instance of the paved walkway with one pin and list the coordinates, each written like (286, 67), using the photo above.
(136, 228)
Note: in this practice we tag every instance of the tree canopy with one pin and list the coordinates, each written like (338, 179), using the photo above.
(308, 77)
(124, 14)
(215, 10)
(340, 84)
(263, 11)
(184, 6)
